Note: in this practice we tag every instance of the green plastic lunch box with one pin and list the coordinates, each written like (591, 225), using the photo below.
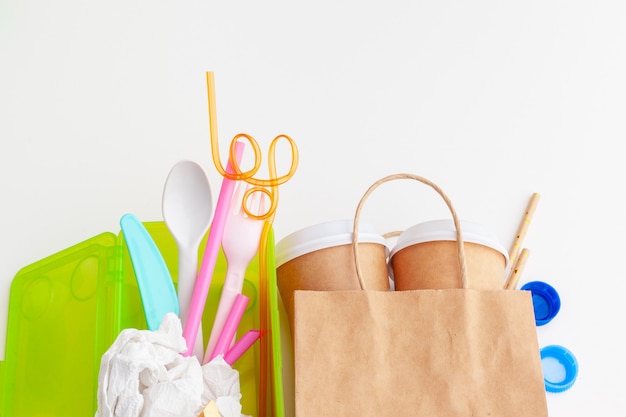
(66, 310)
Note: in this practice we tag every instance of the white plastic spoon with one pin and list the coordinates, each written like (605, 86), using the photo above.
(187, 209)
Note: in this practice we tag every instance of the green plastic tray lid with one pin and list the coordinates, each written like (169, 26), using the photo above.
(56, 306)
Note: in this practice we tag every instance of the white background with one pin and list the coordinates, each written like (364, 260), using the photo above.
(492, 100)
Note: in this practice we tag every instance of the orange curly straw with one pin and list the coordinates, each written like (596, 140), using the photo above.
(260, 185)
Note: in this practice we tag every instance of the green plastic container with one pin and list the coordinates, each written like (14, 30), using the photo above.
(67, 309)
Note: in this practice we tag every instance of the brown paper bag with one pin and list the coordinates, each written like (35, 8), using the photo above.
(454, 352)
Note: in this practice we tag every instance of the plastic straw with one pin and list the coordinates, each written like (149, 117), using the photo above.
(272, 182)
(203, 281)
(517, 270)
(237, 173)
(227, 335)
(278, 389)
(241, 346)
(263, 319)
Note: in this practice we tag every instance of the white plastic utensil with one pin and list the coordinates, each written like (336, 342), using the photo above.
(240, 243)
(187, 208)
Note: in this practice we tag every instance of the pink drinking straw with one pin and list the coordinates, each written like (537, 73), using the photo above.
(203, 281)
(240, 347)
(227, 335)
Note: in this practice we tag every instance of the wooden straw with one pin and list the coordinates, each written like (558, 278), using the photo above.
(517, 270)
(521, 231)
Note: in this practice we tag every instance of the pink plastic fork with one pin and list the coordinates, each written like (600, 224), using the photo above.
(240, 243)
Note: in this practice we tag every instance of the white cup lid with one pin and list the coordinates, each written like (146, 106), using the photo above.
(321, 236)
(443, 229)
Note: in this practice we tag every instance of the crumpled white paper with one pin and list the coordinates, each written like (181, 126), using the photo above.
(143, 374)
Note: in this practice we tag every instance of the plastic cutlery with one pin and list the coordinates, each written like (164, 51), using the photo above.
(240, 243)
(187, 209)
(156, 288)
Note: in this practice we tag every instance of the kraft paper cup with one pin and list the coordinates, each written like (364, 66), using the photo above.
(426, 257)
(320, 258)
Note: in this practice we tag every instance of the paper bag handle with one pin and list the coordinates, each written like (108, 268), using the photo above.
(455, 218)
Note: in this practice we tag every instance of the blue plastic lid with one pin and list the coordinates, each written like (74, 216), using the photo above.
(546, 301)
(560, 368)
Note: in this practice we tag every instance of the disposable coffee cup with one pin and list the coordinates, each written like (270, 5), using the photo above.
(426, 256)
(321, 258)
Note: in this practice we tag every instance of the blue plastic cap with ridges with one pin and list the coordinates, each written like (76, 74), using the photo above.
(560, 368)
(546, 301)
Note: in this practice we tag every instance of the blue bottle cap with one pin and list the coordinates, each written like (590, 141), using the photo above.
(560, 368)
(546, 301)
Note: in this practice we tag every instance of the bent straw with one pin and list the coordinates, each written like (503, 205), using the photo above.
(521, 232)
(517, 270)
(203, 281)
(268, 299)
(237, 174)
